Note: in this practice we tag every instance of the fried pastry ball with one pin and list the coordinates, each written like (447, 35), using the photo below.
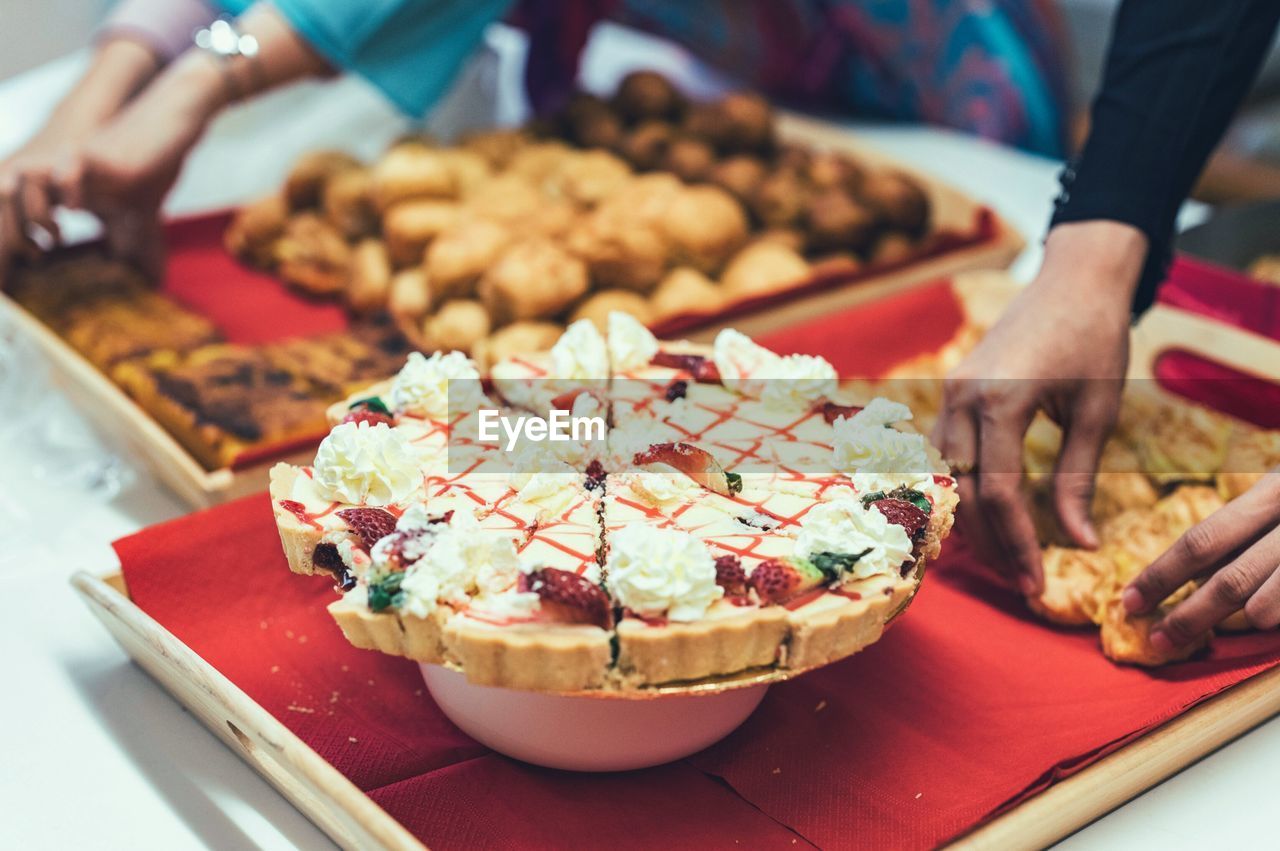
(597, 307)
(704, 226)
(792, 238)
(647, 94)
(506, 198)
(496, 146)
(469, 168)
(591, 122)
(254, 230)
(689, 159)
(833, 170)
(739, 175)
(836, 263)
(538, 161)
(747, 120)
(762, 268)
(304, 185)
(409, 298)
(898, 199)
(684, 290)
(409, 171)
(457, 258)
(1251, 455)
(458, 324)
(588, 177)
(518, 338)
(312, 256)
(835, 221)
(1127, 638)
(779, 199)
(535, 278)
(646, 146)
(620, 252)
(409, 226)
(348, 203)
(1071, 577)
(370, 283)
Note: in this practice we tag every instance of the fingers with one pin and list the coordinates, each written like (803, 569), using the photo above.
(1203, 547)
(1263, 609)
(1227, 591)
(12, 235)
(136, 237)
(957, 437)
(37, 206)
(1085, 433)
(1002, 423)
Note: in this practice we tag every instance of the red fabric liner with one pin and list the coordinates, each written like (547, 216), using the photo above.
(1235, 299)
(247, 305)
(965, 708)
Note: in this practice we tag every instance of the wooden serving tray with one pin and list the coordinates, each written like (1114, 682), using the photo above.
(354, 821)
(111, 408)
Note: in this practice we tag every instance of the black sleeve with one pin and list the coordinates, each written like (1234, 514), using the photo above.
(1176, 72)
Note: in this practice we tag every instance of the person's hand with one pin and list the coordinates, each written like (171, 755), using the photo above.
(1062, 347)
(32, 178)
(1239, 547)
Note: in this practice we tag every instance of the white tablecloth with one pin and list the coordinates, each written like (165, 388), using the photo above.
(98, 756)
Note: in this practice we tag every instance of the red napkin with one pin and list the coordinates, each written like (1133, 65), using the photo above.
(966, 707)
(247, 305)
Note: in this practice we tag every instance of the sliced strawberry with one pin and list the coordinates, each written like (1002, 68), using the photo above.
(371, 524)
(366, 416)
(695, 462)
(730, 576)
(564, 402)
(902, 513)
(702, 368)
(832, 412)
(778, 580)
(569, 598)
(325, 556)
(677, 390)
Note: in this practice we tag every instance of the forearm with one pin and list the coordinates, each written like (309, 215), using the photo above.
(1176, 72)
(120, 68)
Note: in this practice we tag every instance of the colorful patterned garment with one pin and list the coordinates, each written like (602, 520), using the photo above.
(991, 67)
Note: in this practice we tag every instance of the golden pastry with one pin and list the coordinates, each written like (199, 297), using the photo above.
(591, 122)
(469, 169)
(704, 226)
(1266, 268)
(761, 268)
(739, 175)
(748, 121)
(458, 256)
(411, 170)
(409, 298)
(833, 170)
(1251, 455)
(312, 256)
(532, 279)
(506, 198)
(588, 177)
(1071, 577)
(496, 146)
(538, 161)
(409, 227)
(458, 324)
(620, 250)
(515, 339)
(348, 203)
(892, 248)
(685, 290)
(689, 159)
(370, 284)
(598, 306)
(254, 229)
(304, 186)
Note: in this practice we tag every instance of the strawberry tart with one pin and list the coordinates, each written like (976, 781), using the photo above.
(731, 514)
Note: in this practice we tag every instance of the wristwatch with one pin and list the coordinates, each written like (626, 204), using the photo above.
(225, 43)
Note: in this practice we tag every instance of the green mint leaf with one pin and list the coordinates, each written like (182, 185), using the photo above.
(873, 497)
(834, 565)
(735, 482)
(385, 592)
(373, 403)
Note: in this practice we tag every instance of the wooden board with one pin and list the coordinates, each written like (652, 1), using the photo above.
(112, 409)
(354, 821)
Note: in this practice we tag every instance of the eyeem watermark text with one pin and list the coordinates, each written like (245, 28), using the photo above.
(561, 425)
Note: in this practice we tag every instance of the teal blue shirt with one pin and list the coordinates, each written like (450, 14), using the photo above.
(410, 51)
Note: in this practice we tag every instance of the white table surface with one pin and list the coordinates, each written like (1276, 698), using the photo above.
(98, 756)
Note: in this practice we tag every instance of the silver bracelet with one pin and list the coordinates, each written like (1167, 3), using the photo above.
(224, 42)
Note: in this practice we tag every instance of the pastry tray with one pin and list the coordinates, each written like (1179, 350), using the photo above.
(354, 821)
(996, 246)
